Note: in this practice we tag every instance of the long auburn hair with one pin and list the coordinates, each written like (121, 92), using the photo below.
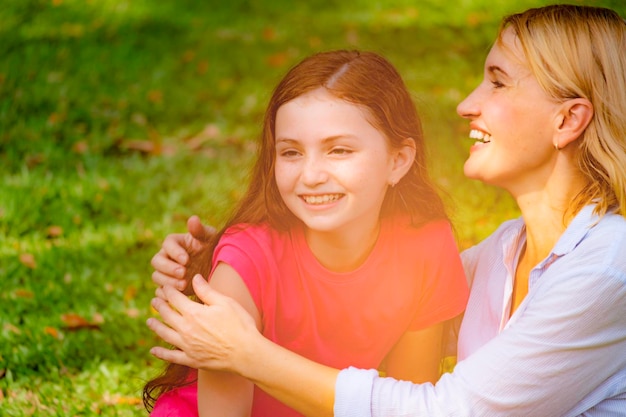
(578, 52)
(365, 79)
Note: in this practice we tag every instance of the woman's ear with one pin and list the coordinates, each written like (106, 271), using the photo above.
(403, 158)
(574, 117)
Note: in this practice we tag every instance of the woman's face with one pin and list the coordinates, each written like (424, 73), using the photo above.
(332, 166)
(512, 122)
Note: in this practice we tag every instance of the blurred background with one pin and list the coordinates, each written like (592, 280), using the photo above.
(119, 119)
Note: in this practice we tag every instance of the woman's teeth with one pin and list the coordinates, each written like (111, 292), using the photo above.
(480, 136)
(321, 199)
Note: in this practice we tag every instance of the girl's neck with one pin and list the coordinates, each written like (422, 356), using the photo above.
(343, 251)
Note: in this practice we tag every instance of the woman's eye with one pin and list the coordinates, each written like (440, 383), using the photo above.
(497, 84)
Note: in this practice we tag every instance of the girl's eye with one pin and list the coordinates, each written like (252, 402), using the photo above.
(341, 151)
(289, 153)
(497, 84)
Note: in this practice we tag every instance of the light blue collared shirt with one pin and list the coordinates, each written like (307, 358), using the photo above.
(563, 352)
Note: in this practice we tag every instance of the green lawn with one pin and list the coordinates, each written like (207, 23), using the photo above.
(119, 119)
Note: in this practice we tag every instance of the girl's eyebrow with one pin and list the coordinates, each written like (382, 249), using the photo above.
(325, 140)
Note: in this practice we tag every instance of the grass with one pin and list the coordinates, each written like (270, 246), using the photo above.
(120, 119)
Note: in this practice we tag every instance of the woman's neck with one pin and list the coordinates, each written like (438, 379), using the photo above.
(346, 250)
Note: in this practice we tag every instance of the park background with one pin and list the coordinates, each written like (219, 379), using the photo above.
(121, 118)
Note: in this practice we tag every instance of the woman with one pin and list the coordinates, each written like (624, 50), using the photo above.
(544, 332)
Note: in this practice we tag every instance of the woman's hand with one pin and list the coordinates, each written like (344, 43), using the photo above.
(182, 256)
(212, 336)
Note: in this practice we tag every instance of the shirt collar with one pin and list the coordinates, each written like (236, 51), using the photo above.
(576, 231)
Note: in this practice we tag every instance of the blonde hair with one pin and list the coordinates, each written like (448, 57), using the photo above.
(580, 52)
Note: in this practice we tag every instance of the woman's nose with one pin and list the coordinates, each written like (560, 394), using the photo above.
(469, 107)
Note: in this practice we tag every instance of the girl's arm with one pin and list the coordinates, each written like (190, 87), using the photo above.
(221, 335)
(417, 355)
(224, 393)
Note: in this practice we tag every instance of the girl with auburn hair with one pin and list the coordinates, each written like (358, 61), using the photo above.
(340, 249)
(544, 331)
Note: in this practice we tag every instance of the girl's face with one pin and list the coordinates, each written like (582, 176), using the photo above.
(332, 166)
(512, 121)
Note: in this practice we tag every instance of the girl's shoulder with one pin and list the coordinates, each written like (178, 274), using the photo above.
(254, 236)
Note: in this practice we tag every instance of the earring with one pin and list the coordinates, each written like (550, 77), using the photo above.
(392, 183)
(556, 146)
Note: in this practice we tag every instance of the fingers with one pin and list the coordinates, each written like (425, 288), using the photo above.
(198, 230)
(177, 300)
(166, 333)
(175, 248)
(164, 261)
(172, 356)
(161, 280)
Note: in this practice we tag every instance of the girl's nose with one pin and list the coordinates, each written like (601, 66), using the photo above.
(314, 171)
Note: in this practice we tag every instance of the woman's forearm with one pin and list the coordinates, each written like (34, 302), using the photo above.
(302, 384)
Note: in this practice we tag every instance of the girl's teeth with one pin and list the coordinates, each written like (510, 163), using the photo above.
(321, 199)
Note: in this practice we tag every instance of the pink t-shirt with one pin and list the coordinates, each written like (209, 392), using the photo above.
(412, 279)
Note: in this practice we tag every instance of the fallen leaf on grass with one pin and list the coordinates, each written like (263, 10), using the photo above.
(74, 321)
(28, 260)
(207, 134)
(51, 331)
(116, 399)
(81, 147)
(54, 231)
(11, 328)
(155, 96)
(23, 293)
(278, 60)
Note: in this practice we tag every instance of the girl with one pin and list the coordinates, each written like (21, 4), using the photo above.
(544, 333)
(340, 249)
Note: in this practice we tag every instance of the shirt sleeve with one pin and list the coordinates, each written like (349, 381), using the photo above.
(445, 290)
(568, 346)
(353, 392)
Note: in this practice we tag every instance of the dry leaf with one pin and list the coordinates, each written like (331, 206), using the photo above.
(116, 399)
(188, 56)
(54, 231)
(209, 133)
(11, 328)
(277, 60)
(74, 321)
(28, 260)
(81, 147)
(269, 34)
(23, 293)
(144, 146)
(51, 331)
(202, 67)
(130, 293)
(155, 96)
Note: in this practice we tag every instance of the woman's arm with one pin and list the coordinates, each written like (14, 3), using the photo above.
(221, 335)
